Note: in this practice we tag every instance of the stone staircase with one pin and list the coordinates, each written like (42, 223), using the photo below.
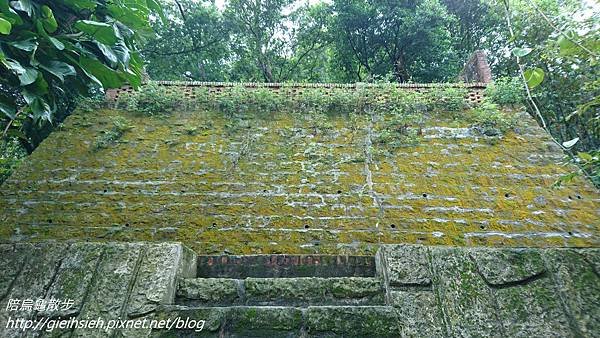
(284, 296)
(411, 291)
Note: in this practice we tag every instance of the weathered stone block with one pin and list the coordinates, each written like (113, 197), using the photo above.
(502, 266)
(578, 286)
(157, 275)
(312, 291)
(11, 262)
(214, 321)
(73, 278)
(419, 313)
(405, 264)
(264, 322)
(209, 291)
(109, 291)
(531, 310)
(357, 321)
(467, 301)
(39, 270)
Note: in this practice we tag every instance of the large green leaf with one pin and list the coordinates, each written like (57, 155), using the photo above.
(14, 66)
(26, 75)
(108, 53)
(59, 69)
(107, 76)
(56, 43)
(521, 52)
(534, 77)
(7, 106)
(566, 46)
(26, 45)
(39, 87)
(41, 109)
(103, 32)
(23, 6)
(5, 26)
(49, 21)
(29, 76)
(122, 53)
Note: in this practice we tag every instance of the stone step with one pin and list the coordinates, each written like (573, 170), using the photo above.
(300, 291)
(267, 266)
(284, 321)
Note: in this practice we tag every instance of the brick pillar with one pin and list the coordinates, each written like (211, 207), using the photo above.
(476, 69)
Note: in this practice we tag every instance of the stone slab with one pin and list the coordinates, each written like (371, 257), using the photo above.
(503, 266)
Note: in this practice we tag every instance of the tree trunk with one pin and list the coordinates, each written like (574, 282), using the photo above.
(400, 72)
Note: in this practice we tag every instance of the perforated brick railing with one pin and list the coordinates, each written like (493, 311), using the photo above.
(187, 88)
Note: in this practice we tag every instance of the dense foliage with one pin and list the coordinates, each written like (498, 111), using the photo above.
(287, 40)
(557, 46)
(51, 51)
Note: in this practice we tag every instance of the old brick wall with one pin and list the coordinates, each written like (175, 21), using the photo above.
(296, 183)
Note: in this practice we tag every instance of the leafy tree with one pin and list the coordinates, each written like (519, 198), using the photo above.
(556, 48)
(51, 50)
(479, 24)
(194, 45)
(260, 32)
(409, 39)
(276, 40)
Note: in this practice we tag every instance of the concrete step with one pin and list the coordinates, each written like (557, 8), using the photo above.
(271, 266)
(284, 321)
(300, 291)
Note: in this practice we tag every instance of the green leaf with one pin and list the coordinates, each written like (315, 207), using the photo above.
(108, 53)
(59, 69)
(107, 76)
(49, 21)
(569, 144)
(564, 179)
(56, 43)
(41, 109)
(14, 65)
(5, 26)
(23, 6)
(7, 107)
(26, 45)
(28, 77)
(566, 46)
(155, 6)
(521, 52)
(39, 87)
(122, 52)
(9, 14)
(534, 77)
(103, 32)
